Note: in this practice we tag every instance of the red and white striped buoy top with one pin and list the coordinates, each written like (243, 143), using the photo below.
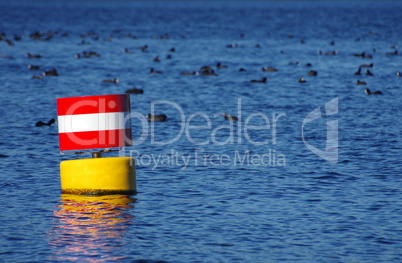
(94, 122)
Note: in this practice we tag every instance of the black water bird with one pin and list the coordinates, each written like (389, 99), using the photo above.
(302, 80)
(312, 73)
(29, 55)
(363, 55)
(189, 73)
(368, 92)
(269, 69)
(232, 45)
(135, 91)
(143, 48)
(91, 53)
(161, 117)
(361, 82)
(127, 51)
(209, 73)
(41, 123)
(369, 73)
(297, 63)
(230, 118)
(396, 52)
(115, 81)
(367, 56)
(9, 42)
(33, 67)
(263, 80)
(87, 54)
(220, 65)
(52, 72)
(331, 53)
(358, 72)
(153, 71)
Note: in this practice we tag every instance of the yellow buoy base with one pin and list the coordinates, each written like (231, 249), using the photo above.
(98, 176)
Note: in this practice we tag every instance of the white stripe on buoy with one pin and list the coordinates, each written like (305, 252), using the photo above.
(93, 122)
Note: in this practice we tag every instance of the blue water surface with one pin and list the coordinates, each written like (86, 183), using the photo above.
(248, 191)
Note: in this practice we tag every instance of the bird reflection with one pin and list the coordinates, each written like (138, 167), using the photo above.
(90, 227)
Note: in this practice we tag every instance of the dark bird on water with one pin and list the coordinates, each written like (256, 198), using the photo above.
(269, 69)
(189, 73)
(369, 73)
(369, 92)
(363, 55)
(41, 123)
(115, 81)
(230, 118)
(52, 72)
(312, 73)
(220, 65)
(135, 91)
(153, 71)
(126, 50)
(208, 73)
(302, 80)
(396, 52)
(263, 80)
(358, 72)
(33, 67)
(29, 55)
(161, 117)
(143, 48)
(9, 42)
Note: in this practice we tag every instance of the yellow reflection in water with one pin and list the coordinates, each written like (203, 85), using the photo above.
(90, 228)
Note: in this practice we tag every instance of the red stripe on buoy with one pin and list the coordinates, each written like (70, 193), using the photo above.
(94, 122)
(93, 104)
(95, 139)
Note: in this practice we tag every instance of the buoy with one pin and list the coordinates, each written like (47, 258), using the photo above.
(98, 176)
(98, 123)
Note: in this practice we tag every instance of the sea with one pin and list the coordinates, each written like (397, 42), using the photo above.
(310, 172)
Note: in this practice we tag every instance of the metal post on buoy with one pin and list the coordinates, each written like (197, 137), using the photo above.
(101, 123)
(96, 155)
